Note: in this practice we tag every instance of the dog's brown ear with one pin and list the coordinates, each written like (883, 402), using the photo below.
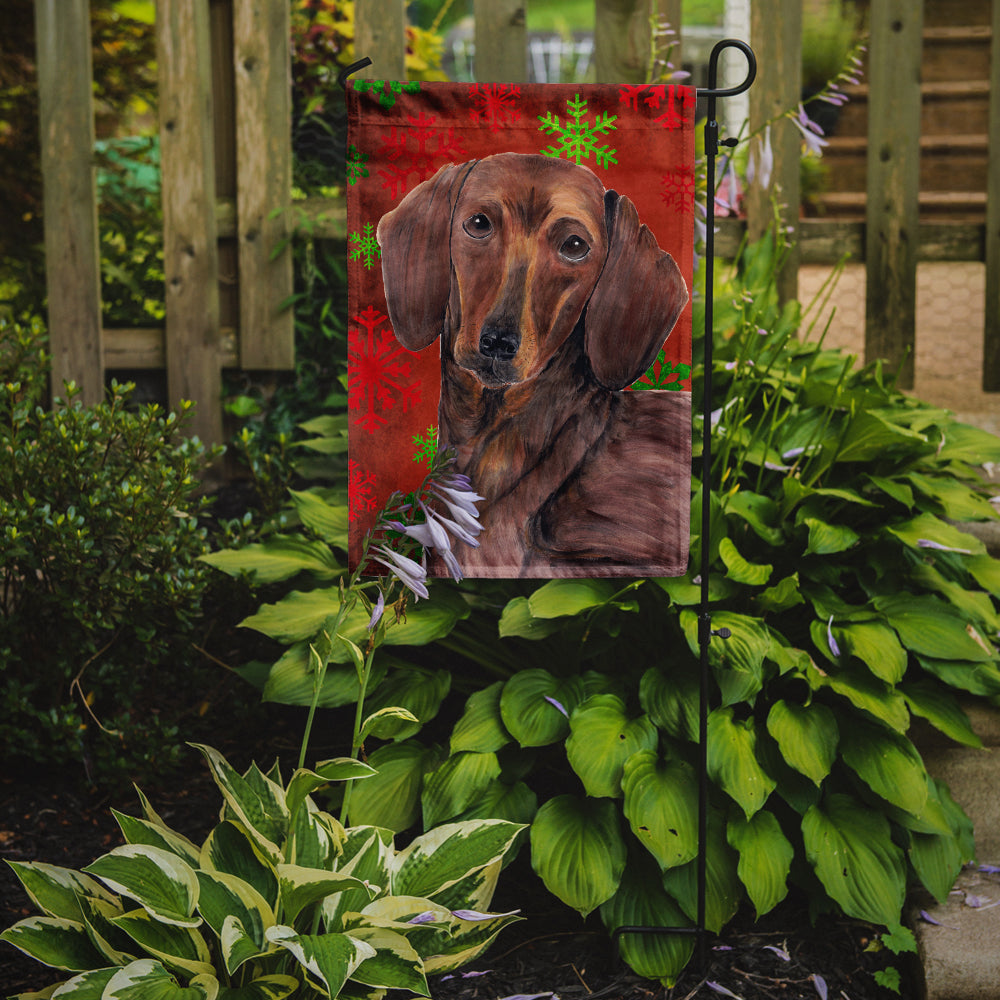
(636, 302)
(416, 261)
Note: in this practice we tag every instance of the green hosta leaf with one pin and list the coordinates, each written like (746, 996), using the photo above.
(765, 858)
(177, 947)
(578, 851)
(893, 488)
(54, 941)
(661, 799)
(391, 798)
(671, 699)
(530, 706)
(415, 689)
(957, 501)
(329, 521)
(758, 511)
(870, 436)
(299, 615)
(230, 849)
(739, 569)
(481, 728)
(279, 558)
(292, 680)
(275, 987)
(850, 847)
(260, 809)
(147, 979)
(330, 959)
(301, 887)
(56, 891)
(560, 598)
(438, 859)
(937, 858)
(931, 628)
(141, 831)
(941, 709)
(864, 691)
(807, 736)
(876, 646)
(395, 964)
(827, 539)
(976, 678)
(456, 784)
(159, 881)
(684, 592)
(602, 738)
(888, 763)
(516, 803)
(783, 595)
(975, 605)
(986, 571)
(732, 760)
(965, 443)
(641, 901)
(723, 889)
(928, 528)
(738, 661)
(517, 620)
(225, 897)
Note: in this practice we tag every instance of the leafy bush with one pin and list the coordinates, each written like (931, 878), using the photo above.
(99, 539)
(279, 899)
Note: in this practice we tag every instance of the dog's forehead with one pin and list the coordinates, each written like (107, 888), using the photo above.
(534, 188)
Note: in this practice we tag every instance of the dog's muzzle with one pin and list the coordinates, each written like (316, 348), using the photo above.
(499, 342)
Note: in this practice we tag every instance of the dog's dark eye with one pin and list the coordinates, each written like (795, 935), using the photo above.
(478, 226)
(574, 248)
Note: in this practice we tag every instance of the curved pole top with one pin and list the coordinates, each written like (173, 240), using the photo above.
(712, 91)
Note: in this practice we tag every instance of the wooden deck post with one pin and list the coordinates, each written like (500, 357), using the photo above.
(621, 40)
(262, 61)
(190, 251)
(893, 184)
(501, 41)
(776, 36)
(72, 255)
(991, 332)
(380, 34)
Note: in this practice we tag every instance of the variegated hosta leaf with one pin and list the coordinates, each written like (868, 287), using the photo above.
(315, 838)
(141, 831)
(158, 880)
(147, 979)
(732, 760)
(54, 941)
(304, 782)
(476, 890)
(807, 736)
(661, 799)
(56, 891)
(602, 737)
(225, 897)
(642, 902)
(230, 849)
(367, 853)
(417, 690)
(116, 946)
(256, 801)
(888, 763)
(481, 727)
(300, 887)
(177, 947)
(466, 941)
(456, 784)
(274, 987)
(535, 706)
(578, 851)
(395, 964)
(850, 847)
(328, 959)
(86, 986)
(765, 858)
(441, 857)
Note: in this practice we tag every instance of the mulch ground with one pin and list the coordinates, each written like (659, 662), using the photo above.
(550, 953)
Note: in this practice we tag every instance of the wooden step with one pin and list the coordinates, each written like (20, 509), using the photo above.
(940, 13)
(959, 206)
(956, 53)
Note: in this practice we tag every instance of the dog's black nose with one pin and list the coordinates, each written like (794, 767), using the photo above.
(499, 342)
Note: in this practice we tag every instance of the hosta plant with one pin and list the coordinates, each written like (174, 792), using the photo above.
(279, 900)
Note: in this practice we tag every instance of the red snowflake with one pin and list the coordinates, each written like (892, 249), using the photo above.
(678, 100)
(378, 371)
(360, 491)
(677, 188)
(433, 148)
(494, 104)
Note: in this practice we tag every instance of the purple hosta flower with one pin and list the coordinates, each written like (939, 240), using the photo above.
(989, 869)
(780, 952)
(820, 983)
(531, 996)
(811, 132)
(831, 642)
(719, 988)
(475, 915)
(465, 975)
(552, 701)
(377, 611)
(427, 917)
(761, 163)
(461, 506)
(927, 543)
(410, 573)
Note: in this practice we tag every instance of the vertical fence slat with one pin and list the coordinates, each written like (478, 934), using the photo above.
(991, 332)
(72, 256)
(190, 253)
(776, 35)
(669, 12)
(380, 34)
(501, 41)
(261, 42)
(621, 40)
(893, 183)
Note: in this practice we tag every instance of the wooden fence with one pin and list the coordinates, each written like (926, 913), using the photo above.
(226, 161)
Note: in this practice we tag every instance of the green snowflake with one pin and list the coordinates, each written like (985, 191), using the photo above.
(387, 91)
(578, 138)
(365, 247)
(426, 446)
(664, 375)
(356, 161)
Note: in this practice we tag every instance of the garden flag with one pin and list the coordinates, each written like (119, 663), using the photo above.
(519, 273)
